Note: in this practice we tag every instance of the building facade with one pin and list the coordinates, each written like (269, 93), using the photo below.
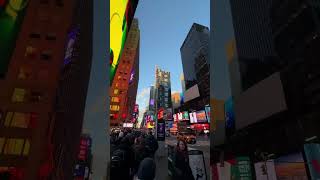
(152, 99)
(123, 91)
(197, 40)
(40, 75)
(163, 86)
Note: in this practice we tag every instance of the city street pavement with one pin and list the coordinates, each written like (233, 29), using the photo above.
(203, 144)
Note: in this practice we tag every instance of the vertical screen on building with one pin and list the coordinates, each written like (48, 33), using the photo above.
(11, 17)
(121, 15)
(72, 38)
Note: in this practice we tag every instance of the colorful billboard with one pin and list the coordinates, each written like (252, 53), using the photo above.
(291, 167)
(244, 168)
(312, 152)
(11, 17)
(201, 116)
(265, 170)
(121, 15)
(193, 117)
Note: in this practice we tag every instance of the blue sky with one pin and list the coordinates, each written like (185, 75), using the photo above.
(164, 24)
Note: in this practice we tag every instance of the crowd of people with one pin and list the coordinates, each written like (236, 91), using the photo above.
(132, 155)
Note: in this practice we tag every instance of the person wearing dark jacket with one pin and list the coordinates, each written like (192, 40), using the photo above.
(147, 169)
(181, 162)
(122, 161)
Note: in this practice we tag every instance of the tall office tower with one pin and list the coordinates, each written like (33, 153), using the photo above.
(37, 133)
(163, 86)
(296, 31)
(152, 99)
(124, 87)
(256, 55)
(197, 40)
(202, 67)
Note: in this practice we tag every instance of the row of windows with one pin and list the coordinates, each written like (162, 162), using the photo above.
(49, 36)
(58, 3)
(117, 91)
(31, 52)
(26, 73)
(19, 119)
(115, 99)
(14, 146)
(22, 95)
(114, 107)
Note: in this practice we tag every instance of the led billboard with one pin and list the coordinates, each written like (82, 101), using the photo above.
(11, 17)
(208, 112)
(193, 117)
(121, 15)
(201, 116)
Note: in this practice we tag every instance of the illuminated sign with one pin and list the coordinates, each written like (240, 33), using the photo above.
(131, 76)
(11, 17)
(208, 112)
(201, 116)
(152, 102)
(128, 125)
(136, 108)
(160, 114)
(193, 117)
(121, 14)
(72, 37)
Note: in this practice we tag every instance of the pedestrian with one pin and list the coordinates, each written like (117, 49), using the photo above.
(181, 162)
(147, 169)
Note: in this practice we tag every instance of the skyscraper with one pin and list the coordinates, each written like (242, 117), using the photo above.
(123, 91)
(196, 41)
(42, 96)
(163, 86)
(152, 99)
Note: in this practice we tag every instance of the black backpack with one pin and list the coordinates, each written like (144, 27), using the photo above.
(118, 159)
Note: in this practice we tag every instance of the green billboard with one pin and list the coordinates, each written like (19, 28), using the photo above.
(11, 17)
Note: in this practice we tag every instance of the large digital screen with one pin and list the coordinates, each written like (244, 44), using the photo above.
(201, 116)
(208, 112)
(11, 17)
(121, 15)
(193, 117)
(312, 152)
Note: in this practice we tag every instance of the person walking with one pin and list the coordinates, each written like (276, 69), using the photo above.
(181, 162)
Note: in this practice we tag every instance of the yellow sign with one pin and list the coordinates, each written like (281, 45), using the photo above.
(217, 112)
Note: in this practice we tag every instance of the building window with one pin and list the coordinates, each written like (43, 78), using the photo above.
(24, 73)
(51, 37)
(20, 120)
(13, 146)
(119, 77)
(117, 84)
(26, 148)
(116, 91)
(34, 35)
(36, 96)
(30, 52)
(115, 99)
(2, 140)
(114, 107)
(18, 95)
(46, 55)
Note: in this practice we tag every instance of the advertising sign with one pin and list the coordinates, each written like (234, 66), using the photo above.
(185, 116)
(312, 152)
(152, 102)
(11, 17)
(208, 112)
(160, 113)
(265, 170)
(291, 167)
(128, 125)
(72, 38)
(136, 108)
(224, 171)
(169, 114)
(180, 116)
(161, 130)
(244, 168)
(197, 164)
(121, 14)
(201, 116)
(230, 117)
(193, 117)
(131, 76)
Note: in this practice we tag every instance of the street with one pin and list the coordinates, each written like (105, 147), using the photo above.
(202, 144)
